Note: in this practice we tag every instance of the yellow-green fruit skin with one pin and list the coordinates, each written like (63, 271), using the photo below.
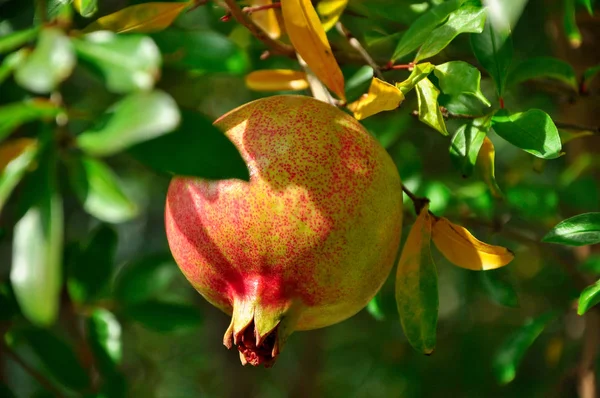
(315, 231)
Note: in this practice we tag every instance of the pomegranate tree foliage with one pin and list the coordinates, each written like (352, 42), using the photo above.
(100, 102)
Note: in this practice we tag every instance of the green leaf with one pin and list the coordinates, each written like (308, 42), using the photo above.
(51, 62)
(90, 272)
(588, 5)
(99, 191)
(419, 72)
(375, 310)
(144, 278)
(429, 109)
(200, 50)
(10, 63)
(591, 264)
(467, 19)
(511, 352)
(500, 288)
(417, 287)
(86, 8)
(37, 247)
(590, 296)
(580, 230)
(58, 358)
(5, 392)
(570, 24)
(589, 75)
(127, 63)
(493, 49)
(466, 143)
(532, 131)
(15, 114)
(14, 40)
(421, 29)
(16, 156)
(202, 151)
(165, 317)
(540, 67)
(104, 336)
(136, 118)
(358, 83)
(458, 77)
(8, 304)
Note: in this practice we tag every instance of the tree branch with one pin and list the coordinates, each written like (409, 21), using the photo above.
(569, 126)
(275, 46)
(353, 41)
(44, 382)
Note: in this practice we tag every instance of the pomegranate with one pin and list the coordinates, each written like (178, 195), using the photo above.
(307, 242)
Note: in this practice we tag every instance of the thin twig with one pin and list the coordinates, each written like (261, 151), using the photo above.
(250, 10)
(353, 41)
(318, 90)
(586, 378)
(44, 382)
(569, 126)
(275, 46)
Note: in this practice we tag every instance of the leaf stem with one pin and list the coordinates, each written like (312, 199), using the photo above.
(275, 46)
(250, 10)
(41, 379)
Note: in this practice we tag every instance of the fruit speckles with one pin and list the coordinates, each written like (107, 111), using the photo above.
(313, 235)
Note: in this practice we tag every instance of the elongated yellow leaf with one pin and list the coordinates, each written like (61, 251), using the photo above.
(466, 251)
(381, 97)
(310, 41)
(485, 160)
(417, 287)
(140, 18)
(276, 80)
(266, 19)
(330, 12)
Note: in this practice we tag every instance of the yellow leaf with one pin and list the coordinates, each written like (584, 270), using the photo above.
(330, 12)
(12, 149)
(464, 250)
(381, 97)
(310, 41)
(485, 160)
(140, 18)
(276, 80)
(266, 19)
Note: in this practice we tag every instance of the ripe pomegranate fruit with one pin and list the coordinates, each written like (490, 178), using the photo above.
(307, 242)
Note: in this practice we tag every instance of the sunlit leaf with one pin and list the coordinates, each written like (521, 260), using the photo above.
(18, 113)
(11, 62)
(532, 131)
(140, 18)
(144, 278)
(86, 8)
(486, 163)
(57, 356)
(493, 49)
(127, 63)
(458, 77)
(202, 151)
(419, 72)
(99, 190)
(580, 230)
(382, 96)
(136, 118)
(16, 156)
(104, 336)
(590, 296)
(266, 19)
(375, 310)
(570, 24)
(310, 41)
(165, 317)
(91, 269)
(543, 67)
(51, 62)
(330, 12)
(276, 80)
(36, 274)
(467, 19)
(429, 109)
(417, 287)
(511, 352)
(420, 30)
(466, 143)
(14, 40)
